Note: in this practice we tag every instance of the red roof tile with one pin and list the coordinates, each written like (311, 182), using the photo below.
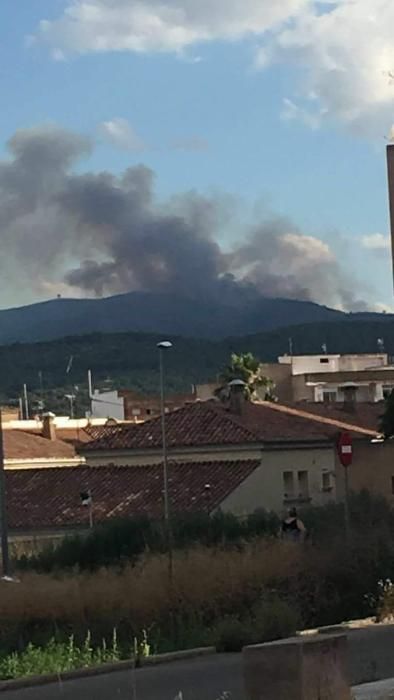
(273, 421)
(362, 414)
(195, 424)
(209, 423)
(50, 498)
(20, 445)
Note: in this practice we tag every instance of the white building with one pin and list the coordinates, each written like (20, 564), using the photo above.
(107, 404)
(332, 378)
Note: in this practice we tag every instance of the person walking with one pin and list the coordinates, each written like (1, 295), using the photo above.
(292, 528)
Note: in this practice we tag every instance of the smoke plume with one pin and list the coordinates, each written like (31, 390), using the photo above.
(102, 233)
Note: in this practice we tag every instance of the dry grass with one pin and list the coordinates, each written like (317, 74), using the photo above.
(203, 579)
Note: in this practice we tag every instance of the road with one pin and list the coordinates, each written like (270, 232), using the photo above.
(371, 657)
(205, 678)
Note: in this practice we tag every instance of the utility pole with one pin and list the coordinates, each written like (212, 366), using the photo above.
(165, 345)
(26, 401)
(3, 508)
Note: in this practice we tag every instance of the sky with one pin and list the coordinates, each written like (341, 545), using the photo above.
(237, 141)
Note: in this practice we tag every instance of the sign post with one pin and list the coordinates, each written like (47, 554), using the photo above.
(345, 453)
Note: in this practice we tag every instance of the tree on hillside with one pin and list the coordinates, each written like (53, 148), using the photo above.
(247, 368)
(386, 424)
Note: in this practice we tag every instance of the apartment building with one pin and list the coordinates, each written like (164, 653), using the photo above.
(332, 378)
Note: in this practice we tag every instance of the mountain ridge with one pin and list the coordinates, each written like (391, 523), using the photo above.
(143, 312)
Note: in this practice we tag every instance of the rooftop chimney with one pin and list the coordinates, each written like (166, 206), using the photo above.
(237, 396)
(48, 426)
(390, 173)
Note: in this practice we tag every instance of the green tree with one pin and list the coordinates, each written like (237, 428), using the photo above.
(386, 424)
(246, 367)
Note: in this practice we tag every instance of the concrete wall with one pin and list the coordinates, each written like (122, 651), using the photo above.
(302, 364)
(265, 487)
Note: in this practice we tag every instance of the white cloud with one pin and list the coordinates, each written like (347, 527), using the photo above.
(376, 242)
(343, 49)
(161, 25)
(346, 54)
(120, 134)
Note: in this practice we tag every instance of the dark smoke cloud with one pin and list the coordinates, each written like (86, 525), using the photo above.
(104, 233)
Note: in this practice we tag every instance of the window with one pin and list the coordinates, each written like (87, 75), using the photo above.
(324, 360)
(303, 484)
(326, 481)
(288, 484)
(330, 396)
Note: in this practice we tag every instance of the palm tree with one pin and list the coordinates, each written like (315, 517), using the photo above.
(247, 368)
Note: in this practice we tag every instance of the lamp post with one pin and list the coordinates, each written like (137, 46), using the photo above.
(162, 347)
(3, 509)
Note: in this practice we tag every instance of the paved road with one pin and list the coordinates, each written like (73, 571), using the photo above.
(371, 657)
(206, 678)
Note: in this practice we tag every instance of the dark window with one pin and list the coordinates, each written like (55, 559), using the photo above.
(288, 484)
(303, 484)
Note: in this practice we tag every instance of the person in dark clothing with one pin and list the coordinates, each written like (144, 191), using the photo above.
(292, 528)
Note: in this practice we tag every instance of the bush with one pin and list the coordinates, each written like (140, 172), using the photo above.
(269, 619)
(232, 634)
(123, 541)
(274, 619)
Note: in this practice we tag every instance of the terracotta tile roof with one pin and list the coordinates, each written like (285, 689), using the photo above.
(50, 498)
(194, 424)
(363, 414)
(74, 436)
(19, 444)
(209, 423)
(288, 422)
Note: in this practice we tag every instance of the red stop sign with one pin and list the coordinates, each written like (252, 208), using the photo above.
(345, 449)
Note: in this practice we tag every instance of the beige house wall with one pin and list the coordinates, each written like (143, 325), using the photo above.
(265, 487)
(281, 376)
(372, 469)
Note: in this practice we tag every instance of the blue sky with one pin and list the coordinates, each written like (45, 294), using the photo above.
(249, 112)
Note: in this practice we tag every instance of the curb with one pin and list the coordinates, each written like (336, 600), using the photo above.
(129, 664)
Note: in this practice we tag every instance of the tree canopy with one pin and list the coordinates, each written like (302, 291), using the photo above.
(247, 368)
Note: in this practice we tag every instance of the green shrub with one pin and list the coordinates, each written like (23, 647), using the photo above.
(232, 634)
(58, 657)
(122, 541)
(274, 619)
(269, 620)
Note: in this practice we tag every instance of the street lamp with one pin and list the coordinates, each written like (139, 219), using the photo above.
(3, 508)
(162, 347)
